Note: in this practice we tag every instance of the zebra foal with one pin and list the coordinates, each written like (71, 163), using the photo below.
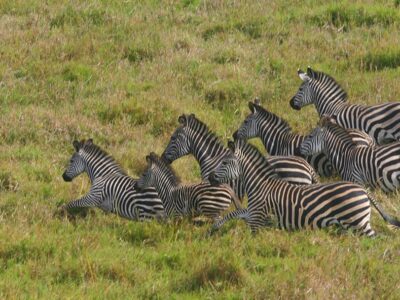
(184, 200)
(112, 190)
(296, 207)
(379, 121)
(376, 167)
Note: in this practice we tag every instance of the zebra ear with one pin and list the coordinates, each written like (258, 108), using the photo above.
(252, 107)
(89, 142)
(303, 76)
(77, 145)
(231, 145)
(148, 159)
(182, 119)
(257, 101)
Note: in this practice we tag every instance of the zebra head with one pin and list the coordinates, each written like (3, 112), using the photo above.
(304, 95)
(179, 144)
(249, 128)
(77, 164)
(148, 178)
(314, 142)
(228, 169)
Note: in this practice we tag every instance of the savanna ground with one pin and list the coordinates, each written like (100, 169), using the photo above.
(121, 72)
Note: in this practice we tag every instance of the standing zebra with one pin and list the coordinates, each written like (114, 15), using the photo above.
(296, 207)
(112, 189)
(194, 137)
(377, 166)
(184, 200)
(278, 138)
(380, 121)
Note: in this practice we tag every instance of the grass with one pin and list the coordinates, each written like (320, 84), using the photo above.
(122, 73)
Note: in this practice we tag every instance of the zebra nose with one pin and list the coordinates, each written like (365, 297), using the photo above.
(66, 177)
(293, 105)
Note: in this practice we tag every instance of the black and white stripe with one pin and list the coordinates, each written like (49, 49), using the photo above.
(194, 137)
(184, 200)
(380, 121)
(296, 207)
(112, 189)
(376, 167)
(278, 138)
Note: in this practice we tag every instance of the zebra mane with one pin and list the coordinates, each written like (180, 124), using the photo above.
(341, 133)
(200, 126)
(327, 80)
(165, 168)
(251, 151)
(93, 150)
(279, 121)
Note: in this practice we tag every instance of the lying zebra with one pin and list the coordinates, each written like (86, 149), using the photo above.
(375, 167)
(380, 121)
(112, 189)
(184, 200)
(194, 137)
(278, 138)
(296, 207)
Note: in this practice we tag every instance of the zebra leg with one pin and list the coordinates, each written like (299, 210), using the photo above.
(237, 214)
(89, 200)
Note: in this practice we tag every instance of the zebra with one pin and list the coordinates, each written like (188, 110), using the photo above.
(194, 137)
(296, 207)
(380, 121)
(184, 200)
(112, 190)
(375, 167)
(278, 138)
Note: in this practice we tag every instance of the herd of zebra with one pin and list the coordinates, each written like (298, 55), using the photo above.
(359, 143)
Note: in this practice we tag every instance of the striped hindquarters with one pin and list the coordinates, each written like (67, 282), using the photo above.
(293, 169)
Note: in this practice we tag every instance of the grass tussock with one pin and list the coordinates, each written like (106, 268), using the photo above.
(347, 16)
(380, 60)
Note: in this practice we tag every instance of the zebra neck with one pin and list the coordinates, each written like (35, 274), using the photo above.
(165, 189)
(101, 167)
(208, 156)
(339, 150)
(278, 143)
(254, 174)
(327, 104)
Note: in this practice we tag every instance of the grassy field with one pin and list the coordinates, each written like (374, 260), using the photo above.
(122, 72)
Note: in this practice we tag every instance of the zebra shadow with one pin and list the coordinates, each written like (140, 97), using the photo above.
(73, 214)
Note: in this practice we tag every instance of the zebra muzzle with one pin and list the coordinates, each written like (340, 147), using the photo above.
(66, 177)
(293, 105)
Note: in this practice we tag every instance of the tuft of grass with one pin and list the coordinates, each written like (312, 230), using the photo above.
(340, 15)
(227, 94)
(8, 182)
(219, 274)
(376, 61)
(213, 30)
(226, 57)
(73, 17)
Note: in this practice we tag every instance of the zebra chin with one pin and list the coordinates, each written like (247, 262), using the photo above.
(166, 159)
(294, 106)
(66, 177)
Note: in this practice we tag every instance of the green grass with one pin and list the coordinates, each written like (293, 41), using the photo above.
(122, 73)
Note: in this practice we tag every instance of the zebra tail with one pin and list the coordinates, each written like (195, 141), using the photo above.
(393, 222)
(236, 201)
